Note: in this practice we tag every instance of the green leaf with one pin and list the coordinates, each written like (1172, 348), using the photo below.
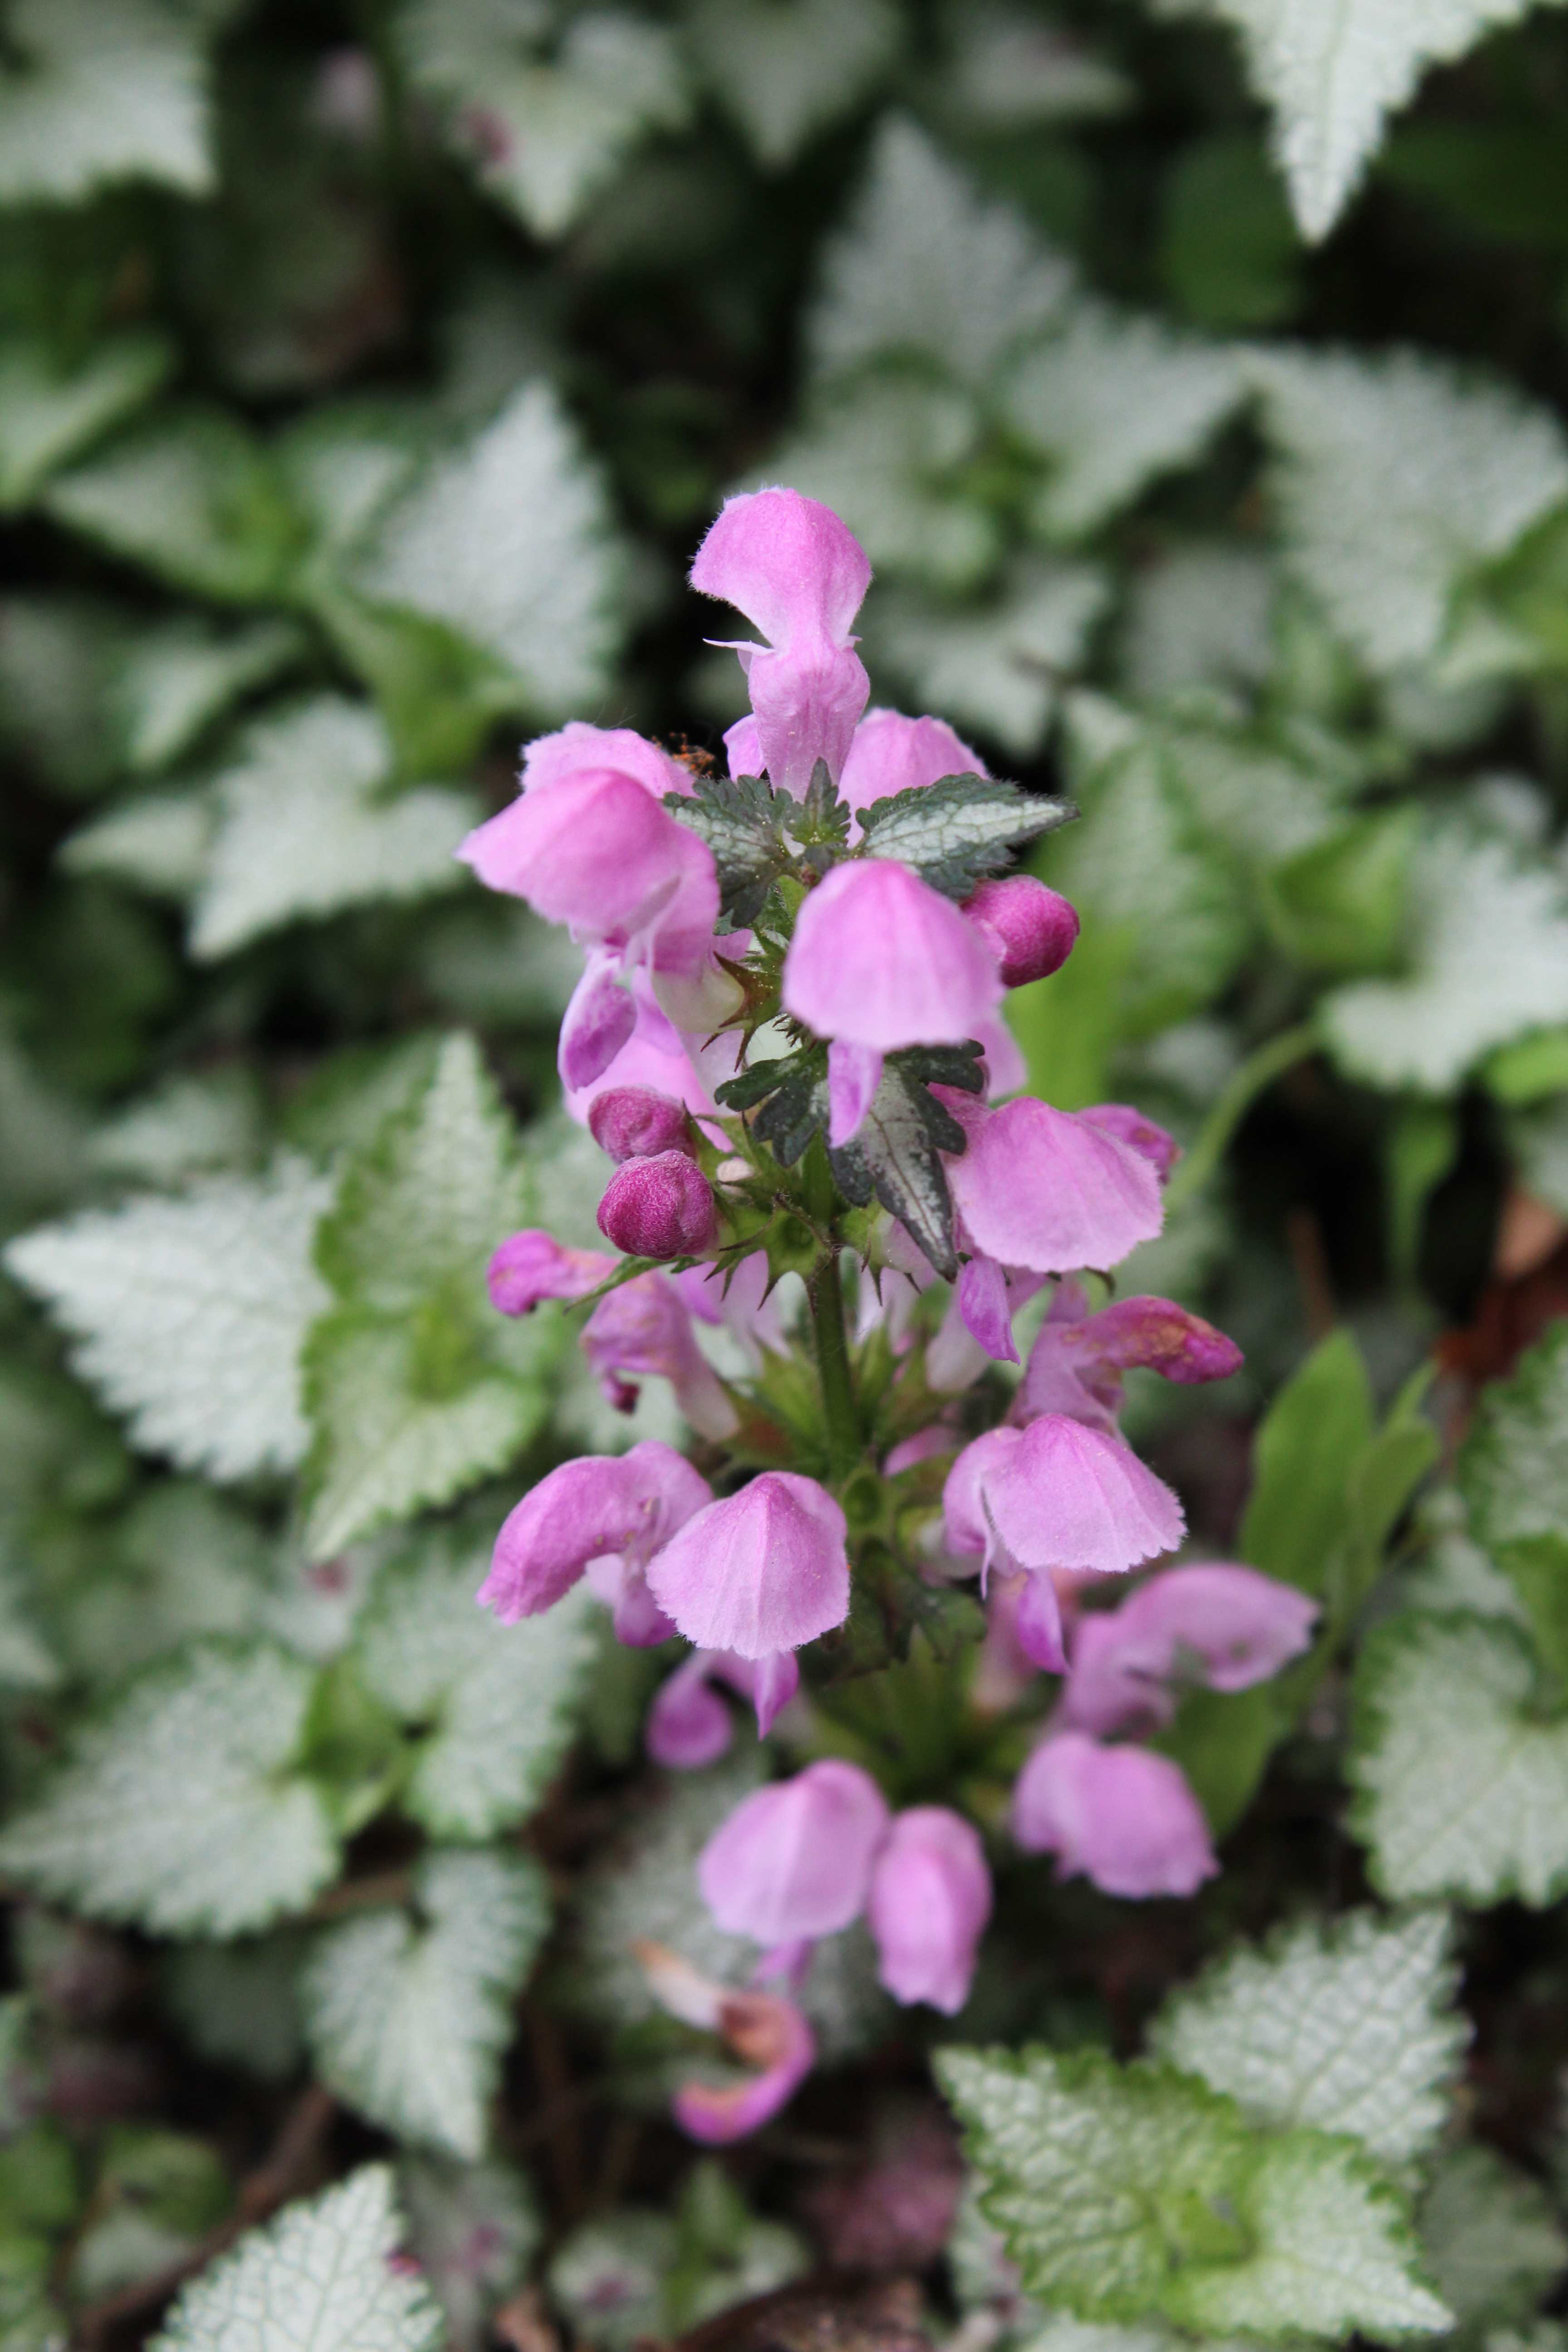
(474, 2230)
(507, 542)
(544, 134)
(1114, 400)
(1229, 252)
(100, 89)
(188, 1315)
(995, 666)
(1339, 906)
(415, 1386)
(1493, 2245)
(1128, 2192)
(320, 2278)
(489, 1709)
(1524, 1074)
(190, 495)
(27, 1661)
(1397, 480)
(48, 415)
(305, 827)
(1513, 1476)
(740, 819)
(959, 829)
(1321, 1419)
(185, 1127)
(408, 2013)
(784, 72)
(895, 1153)
(1462, 1780)
(1486, 946)
(159, 843)
(180, 677)
(926, 267)
(1349, 2028)
(1332, 76)
(183, 1810)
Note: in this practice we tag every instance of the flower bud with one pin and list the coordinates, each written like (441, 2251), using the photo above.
(1029, 928)
(661, 1207)
(638, 1122)
(795, 1859)
(930, 1897)
(533, 1265)
(1121, 1817)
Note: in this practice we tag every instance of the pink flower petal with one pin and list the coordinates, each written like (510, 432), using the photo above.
(795, 1858)
(854, 1073)
(1038, 1187)
(625, 1504)
(764, 1570)
(894, 755)
(929, 1902)
(1123, 1817)
(880, 959)
(1057, 1494)
(596, 1024)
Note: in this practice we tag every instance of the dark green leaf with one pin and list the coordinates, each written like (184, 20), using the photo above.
(741, 818)
(956, 832)
(894, 1154)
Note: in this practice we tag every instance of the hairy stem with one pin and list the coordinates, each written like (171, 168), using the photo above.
(840, 1418)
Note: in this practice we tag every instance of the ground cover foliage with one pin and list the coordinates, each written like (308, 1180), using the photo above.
(1196, 378)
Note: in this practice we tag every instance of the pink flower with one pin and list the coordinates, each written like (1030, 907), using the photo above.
(623, 1505)
(793, 1860)
(1041, 1188)
(1057, 1494)
(798, 574)
(761, 2028)
(854, 1073)
(894, 755)
(643, 1331)
(1129, 1127)
(661, 1207)
(1223, 1625)
(656, 1055)
(689, 1725)
(1030, 929)
(1123, 1816)
(635, 1122)
(1077, 1359)
(593, 849)
(762, 1570)
(987, 1298)
(881, 959)
(575, 748)
(930, 1901)
(533, 1265)
(598, 1021)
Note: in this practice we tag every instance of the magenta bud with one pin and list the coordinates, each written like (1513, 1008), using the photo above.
(658, 1207)
(1030, 929)
(638, 1122)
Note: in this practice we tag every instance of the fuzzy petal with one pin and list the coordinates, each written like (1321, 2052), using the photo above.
(893, 754)
(930, 1901)
(854, 1073)
(795, 1859)
(596, 1024)
(880, 959)
(1038, 1187)
(762, 1570)
(623, 1504)
(1123, 1817)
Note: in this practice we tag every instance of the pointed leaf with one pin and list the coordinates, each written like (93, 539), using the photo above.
(784, 72)
(956, 832)
(94, 91)
(48, 415)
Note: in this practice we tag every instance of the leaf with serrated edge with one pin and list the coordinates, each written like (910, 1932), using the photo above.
(1396, 478)
(783, 73)
(1350, 2029)
(1078, 2159)
(1115, 401)
(495, 1706)
(114, 89)
(739, 817)
(1513, 1471)
(508, 541)
(1332, 2253)
(959, 829)
(1332, 75)
(924, 265)
(189, 1314)
(305, 828)
(1461, 1792)
(894, 1153)
(320, 2278)
(48, 415)
(1127, 2192)
(182, 1809)
(408, 2016)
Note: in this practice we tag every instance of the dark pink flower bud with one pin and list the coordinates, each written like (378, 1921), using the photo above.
(637, 1122)
(1123, 1816)
(658, 1207)
(929, 1900)
(1029, 928)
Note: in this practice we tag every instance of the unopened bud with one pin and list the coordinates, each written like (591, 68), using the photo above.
(658, 1207)
(1030, 929)
(637, 1122)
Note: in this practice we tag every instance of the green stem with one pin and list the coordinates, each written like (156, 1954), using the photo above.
(1258, 1072)
(841, 1420)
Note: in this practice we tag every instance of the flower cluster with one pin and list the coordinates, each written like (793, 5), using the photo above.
(787, 1039)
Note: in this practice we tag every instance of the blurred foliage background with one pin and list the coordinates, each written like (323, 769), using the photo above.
(367, 377)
